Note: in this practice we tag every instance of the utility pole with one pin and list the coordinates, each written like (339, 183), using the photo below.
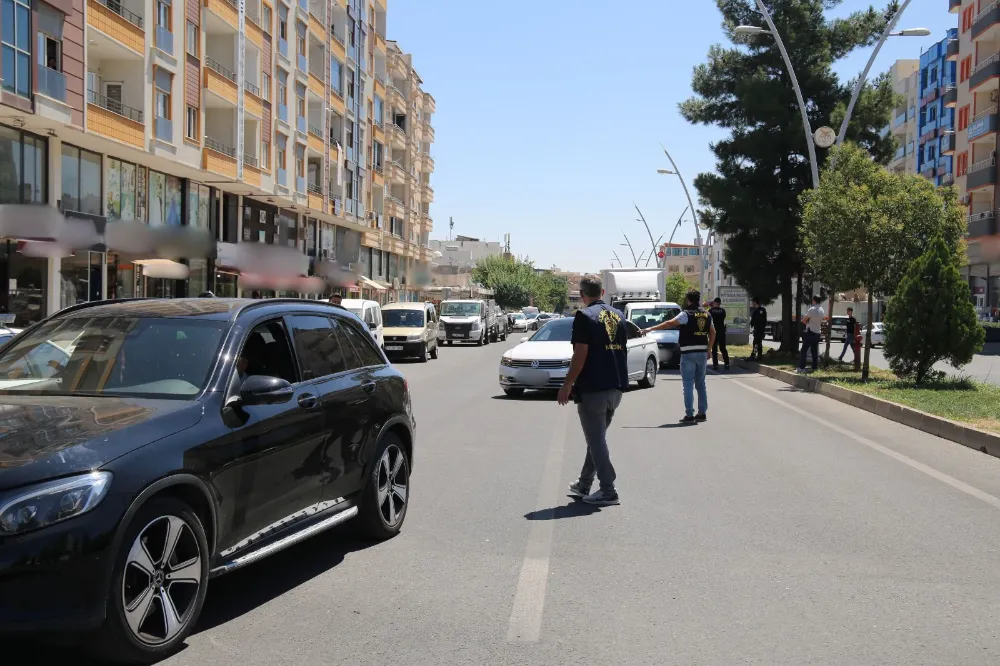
(451, 226)
(629, 244)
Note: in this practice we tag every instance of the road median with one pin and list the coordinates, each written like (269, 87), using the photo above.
(962, 411)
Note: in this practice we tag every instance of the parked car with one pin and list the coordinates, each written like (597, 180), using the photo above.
(369, 312)
(645, 315)
(878, 334)
(180, 440)
(464, 320)
(539, 321)
(410, 330)
(542, 361)
(838, 329)
(520, 321)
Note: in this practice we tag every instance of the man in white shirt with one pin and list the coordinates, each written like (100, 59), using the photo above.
(813, 331)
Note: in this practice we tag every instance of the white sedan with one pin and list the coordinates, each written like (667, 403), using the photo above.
(878, 334)
(542, 361)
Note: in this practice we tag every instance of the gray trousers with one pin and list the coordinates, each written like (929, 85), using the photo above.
(596, 411)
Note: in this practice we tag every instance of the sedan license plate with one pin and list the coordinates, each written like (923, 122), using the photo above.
(393, 348)
(458, 335)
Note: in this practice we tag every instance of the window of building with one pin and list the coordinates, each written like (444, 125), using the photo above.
(282, 22)
(350, 84)
(192, 41)
(265, 17)
(963, 118)
(282, 87)
(265, 155)
(931, 153)
(280, 161)
(934, 75)
(191, 126)
(81, 180)
(349, 184)
(162, 83)
(200, 199)
(379, 111)
(377, 151)
(16, 46)
(300, 39)
(962, 167)
(25, 157)
(968, 14)
(163, 14)
(932, 114)
(350, 133)
(50, 30)
(165, 200)
(300, 163)
(337, 75)
(265, 86)
(123, 190)
(300, 106)
(965, 69)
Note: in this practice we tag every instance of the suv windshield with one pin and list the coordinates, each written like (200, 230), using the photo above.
(646, 317)
(559, 330)
(460, 310)
(406, 318)
(143, 357)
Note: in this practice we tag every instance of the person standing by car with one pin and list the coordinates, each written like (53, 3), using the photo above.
(597, 376)
(812, 332)
(758, 324)
(696, 339)
(719, 323)
(852, 326)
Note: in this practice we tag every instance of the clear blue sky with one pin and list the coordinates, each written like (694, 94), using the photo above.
(549, 115)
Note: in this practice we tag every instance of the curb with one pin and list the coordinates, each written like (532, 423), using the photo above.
(973, 438)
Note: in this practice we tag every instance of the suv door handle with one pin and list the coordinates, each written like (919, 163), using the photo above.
(369, 387)
(308, 401)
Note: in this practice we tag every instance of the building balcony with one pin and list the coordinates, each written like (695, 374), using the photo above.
(394, 96)
(981, 224)
(986, 24)
(113, 19)
(317, 19)
(114, 120)
(984, 75)
(397, 135)
(221, 81)
(281, 177)
(426, 193)
(426, 163)
(225, 10)
(378, 174)
(954, 6)
(219, 158)
(251, 171)
(336, 201)
(396, 172)
(393, 207)
(983, 124)
(315, 197)
(164, 40)
(163, 129)
(254, 34)
(948, 143)
(428, 132)
(429, 104)
(51, 83)
(316, 85)
(315, 139)
(950, 97)
(252, 102)
(982, 174)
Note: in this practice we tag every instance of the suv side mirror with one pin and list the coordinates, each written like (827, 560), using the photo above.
(263, 390)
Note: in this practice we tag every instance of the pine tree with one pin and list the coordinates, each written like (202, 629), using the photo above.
(931, 318)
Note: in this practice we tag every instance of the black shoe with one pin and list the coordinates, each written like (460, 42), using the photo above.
(688, 419)
(727, 367)
(700, 417)
(578, 490)
(715, 368)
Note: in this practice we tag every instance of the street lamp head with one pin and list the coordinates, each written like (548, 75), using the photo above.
(912, 32)
(666, 172)
(750, 30)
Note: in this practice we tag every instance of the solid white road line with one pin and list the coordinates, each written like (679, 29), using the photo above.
(529, 600)
(906, 460)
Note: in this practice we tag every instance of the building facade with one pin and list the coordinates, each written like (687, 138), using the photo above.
(977, 54)
(453, 260)
(295, 125)
(683, 259)
(936, 113)
(905, 75)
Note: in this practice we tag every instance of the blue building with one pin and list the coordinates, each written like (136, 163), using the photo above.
(936, 115)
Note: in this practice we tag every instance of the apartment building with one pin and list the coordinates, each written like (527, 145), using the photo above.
(936, 113)
(684, 259)
(977, 52)
(260, 121)
(905, 76)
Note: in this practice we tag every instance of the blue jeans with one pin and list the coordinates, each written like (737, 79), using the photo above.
(810, 343)
(693, 367)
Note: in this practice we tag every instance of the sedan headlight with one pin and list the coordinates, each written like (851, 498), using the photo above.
(52, 502)
(506, 361)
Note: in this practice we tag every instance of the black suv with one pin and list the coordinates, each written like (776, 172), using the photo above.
(148, 445)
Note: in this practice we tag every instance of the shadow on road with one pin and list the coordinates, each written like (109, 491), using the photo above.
(665, 426)
(541, 396)
(571, 510)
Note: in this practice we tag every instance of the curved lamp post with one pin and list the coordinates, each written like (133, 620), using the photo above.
(674, 171)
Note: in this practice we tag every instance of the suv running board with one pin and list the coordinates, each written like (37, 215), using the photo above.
(291, 539)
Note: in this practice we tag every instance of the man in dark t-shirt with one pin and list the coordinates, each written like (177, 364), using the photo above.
(719, 323)
(598, 374)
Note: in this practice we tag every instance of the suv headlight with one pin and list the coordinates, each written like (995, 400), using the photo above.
(505, 361)
(441, 325)
(414, 337)
(476, 325)
(52, 502)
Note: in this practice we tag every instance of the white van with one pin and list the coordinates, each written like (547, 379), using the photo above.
(370, 312)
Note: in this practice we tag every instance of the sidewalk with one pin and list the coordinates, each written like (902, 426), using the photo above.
(985, 366)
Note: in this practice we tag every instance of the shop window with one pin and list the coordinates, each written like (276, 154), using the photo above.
(165, 200)
(199, 204)
(27, 181)
(15, 46)
(81, 180)
(122, 190)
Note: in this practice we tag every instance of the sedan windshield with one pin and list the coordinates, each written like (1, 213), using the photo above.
(144, 357)
(559, 330)
(646, 317)
(402, 318)
(460, 310)
(518, 316)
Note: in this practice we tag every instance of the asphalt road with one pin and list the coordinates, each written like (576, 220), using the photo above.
(788, 529)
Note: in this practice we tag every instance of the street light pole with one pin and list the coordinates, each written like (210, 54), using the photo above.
(694, 212)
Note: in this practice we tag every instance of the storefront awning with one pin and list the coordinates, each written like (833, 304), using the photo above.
(369, 284)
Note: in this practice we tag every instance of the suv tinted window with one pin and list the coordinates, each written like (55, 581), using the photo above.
(365, 353)
(266, 352)
(319, 351)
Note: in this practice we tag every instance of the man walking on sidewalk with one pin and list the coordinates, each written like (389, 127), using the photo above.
(813, 331)
(758, 324)
(719, 323)
(849, 333)
(697, 335)
(598, 374)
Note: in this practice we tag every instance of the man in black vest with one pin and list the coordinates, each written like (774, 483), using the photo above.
(597, 376)
(758, 324)
(697, 335)
(719, 323)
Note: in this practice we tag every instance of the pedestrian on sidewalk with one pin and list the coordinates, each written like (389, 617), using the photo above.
(758, 324)
(852, 326)
(597, 376)
(719, 323)
(696, 338)
(812, 332)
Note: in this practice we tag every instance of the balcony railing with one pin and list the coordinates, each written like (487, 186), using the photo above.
(117, 7)
(114, 106)
(283, 47)
(338, 91)
(163, 128)
(282, 176)
(51, 83)
(250, 161)
(164, 40)
(985, 113)
(315, 188)
(252, 14)
(251, 88)
(315, 131)
(283, 113)
(984, 164)
(986, 63)
(301, 124)
(219, 68)
(300, 184)
(219, 147)
(986, 10)
(337, 37)
(302, 63)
